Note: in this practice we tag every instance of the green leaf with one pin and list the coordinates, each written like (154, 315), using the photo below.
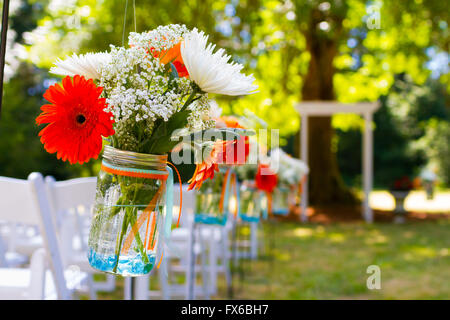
(160, 141)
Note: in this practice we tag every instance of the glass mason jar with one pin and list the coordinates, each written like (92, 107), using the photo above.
(280, 200)
(250, 202)
(211, 207)
(127, 213)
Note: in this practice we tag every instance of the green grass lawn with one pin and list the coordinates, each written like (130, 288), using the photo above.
(330, 262)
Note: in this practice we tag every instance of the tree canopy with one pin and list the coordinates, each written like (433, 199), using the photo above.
(357, 47)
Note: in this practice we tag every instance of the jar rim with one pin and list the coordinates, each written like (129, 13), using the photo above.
(125, 157)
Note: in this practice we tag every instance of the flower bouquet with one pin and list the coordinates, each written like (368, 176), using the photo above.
(213, 197)
(135, 98)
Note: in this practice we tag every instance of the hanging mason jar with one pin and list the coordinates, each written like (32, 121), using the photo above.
(127, 215)
(250, 202)
(212, 200)
(280, 200)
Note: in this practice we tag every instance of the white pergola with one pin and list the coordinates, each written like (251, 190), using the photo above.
(329, 108)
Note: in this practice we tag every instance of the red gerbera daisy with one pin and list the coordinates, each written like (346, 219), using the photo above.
(235, 152)
(208, 167)
(267, 180)
(76, 120)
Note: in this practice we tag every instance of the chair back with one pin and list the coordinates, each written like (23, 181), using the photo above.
(26, 201)
(16, 202)
(72, 201)
(17, 207)
(48, 232)
(71, 194)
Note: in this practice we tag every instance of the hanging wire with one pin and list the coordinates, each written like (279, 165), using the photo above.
(124, 22)
(134, 13)
(4, 31)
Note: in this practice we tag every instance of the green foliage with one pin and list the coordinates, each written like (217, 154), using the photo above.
(404, 117)
(21, 150)
(160, 141)
(436, 144)
(269, 37)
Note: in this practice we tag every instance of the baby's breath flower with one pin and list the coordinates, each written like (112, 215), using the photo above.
(140, 89)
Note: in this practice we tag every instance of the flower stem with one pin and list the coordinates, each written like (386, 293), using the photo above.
(195, 89)
(140, 245)
(120, 236)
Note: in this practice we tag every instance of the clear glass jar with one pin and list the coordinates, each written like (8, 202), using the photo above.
(208, 208)
(250, 202)
(280, 200)
(127, 214)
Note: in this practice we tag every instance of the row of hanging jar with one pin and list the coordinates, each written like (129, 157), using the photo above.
(223, 196)
(128, 212)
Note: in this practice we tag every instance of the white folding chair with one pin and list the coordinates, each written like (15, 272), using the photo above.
(25, 283)
(213, 240)
(9, 258)
(72, 201)
(247, 248)
(26, 202)
(220, 253)
(18, 241)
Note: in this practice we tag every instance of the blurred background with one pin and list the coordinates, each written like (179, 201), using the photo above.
(394, 52)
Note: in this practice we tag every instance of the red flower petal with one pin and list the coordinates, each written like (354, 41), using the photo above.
(265, 182)
(76, 120)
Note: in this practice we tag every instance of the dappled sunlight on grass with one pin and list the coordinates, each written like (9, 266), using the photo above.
(418, 252)
(336, 237)
(303, 232)
(376, 239)
(282, 256)
(318, 232)
(443, 252)
(408, 234)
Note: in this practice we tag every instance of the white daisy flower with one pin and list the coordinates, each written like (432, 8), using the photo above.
(87, 65)
(211, 71)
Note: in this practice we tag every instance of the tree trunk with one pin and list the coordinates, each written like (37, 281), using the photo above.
(325, 182)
